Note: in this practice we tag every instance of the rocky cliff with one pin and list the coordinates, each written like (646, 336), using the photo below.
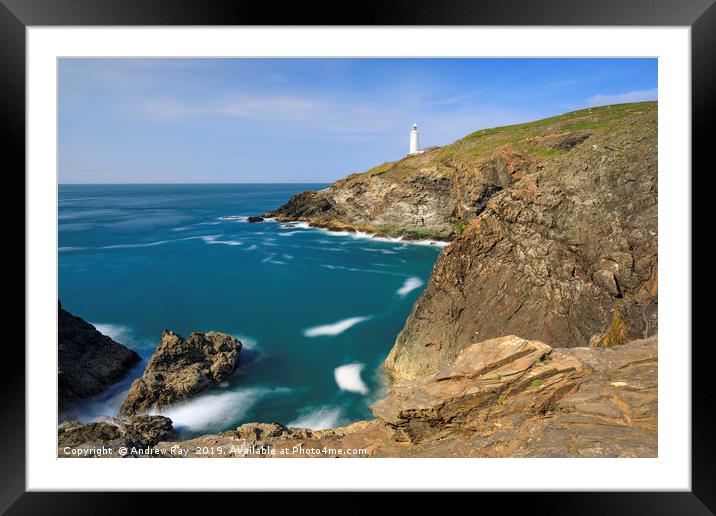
(567, 255)
(181, 368)
(555, 228)
(87, 360)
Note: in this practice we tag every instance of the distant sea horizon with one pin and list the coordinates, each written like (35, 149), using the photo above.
(203, 183)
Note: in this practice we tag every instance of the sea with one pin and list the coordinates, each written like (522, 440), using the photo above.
(317, 311)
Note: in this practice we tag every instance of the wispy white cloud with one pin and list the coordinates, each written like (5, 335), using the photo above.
(335, 119)
(620, 98)
(256, 107)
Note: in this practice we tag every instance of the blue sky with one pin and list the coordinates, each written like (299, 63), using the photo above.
(305, 120)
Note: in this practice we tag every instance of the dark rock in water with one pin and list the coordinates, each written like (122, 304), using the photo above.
(255, 219)
(114, 432)
(88, 361)
(181, 368)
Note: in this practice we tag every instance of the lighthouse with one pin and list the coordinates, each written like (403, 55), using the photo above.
(414, 140)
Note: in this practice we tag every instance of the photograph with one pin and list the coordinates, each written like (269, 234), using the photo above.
(357, 257)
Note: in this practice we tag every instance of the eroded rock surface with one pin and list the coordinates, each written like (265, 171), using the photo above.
(181, 368)
(558, 256)
(88, 361)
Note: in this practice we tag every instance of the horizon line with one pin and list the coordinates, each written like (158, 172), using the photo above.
(209, 183)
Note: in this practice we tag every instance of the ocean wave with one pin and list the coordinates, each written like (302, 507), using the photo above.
(246, 341)
(355, 269)
(270, 259)
(213, 240)
(364, 235)
(240, 218)
(335, 328)
(409, 285)
(319, 419)
(289, 233)
(124, 335)
(158, 242)
(348, 378)
(210, 412)
(120, 333)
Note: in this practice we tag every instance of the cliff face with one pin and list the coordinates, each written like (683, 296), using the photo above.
(567, 255)
(87, 360)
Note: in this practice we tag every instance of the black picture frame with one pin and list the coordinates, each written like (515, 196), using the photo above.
(17, 15)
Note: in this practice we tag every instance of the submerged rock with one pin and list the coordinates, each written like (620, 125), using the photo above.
(181, 368)
(254, 219)
(88, 361)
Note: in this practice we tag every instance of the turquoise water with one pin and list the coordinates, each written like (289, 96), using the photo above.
(317, 311)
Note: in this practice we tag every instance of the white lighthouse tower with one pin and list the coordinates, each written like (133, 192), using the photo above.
(414, 140)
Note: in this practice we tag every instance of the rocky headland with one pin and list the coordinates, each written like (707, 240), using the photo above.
(554, 225)
(88, 361)
(536, 334)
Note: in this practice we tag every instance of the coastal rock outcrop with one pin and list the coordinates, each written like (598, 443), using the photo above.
(112, 432)
(559, 256)
(88, 361)
(181, 368)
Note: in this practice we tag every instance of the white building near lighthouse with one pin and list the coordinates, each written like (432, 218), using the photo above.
(414, 146)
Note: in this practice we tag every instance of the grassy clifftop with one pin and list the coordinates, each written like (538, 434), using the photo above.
(540, 138)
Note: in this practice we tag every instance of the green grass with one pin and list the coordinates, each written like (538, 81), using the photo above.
(485, 143)
(460, 228)
(536, 383)
(618, 329)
